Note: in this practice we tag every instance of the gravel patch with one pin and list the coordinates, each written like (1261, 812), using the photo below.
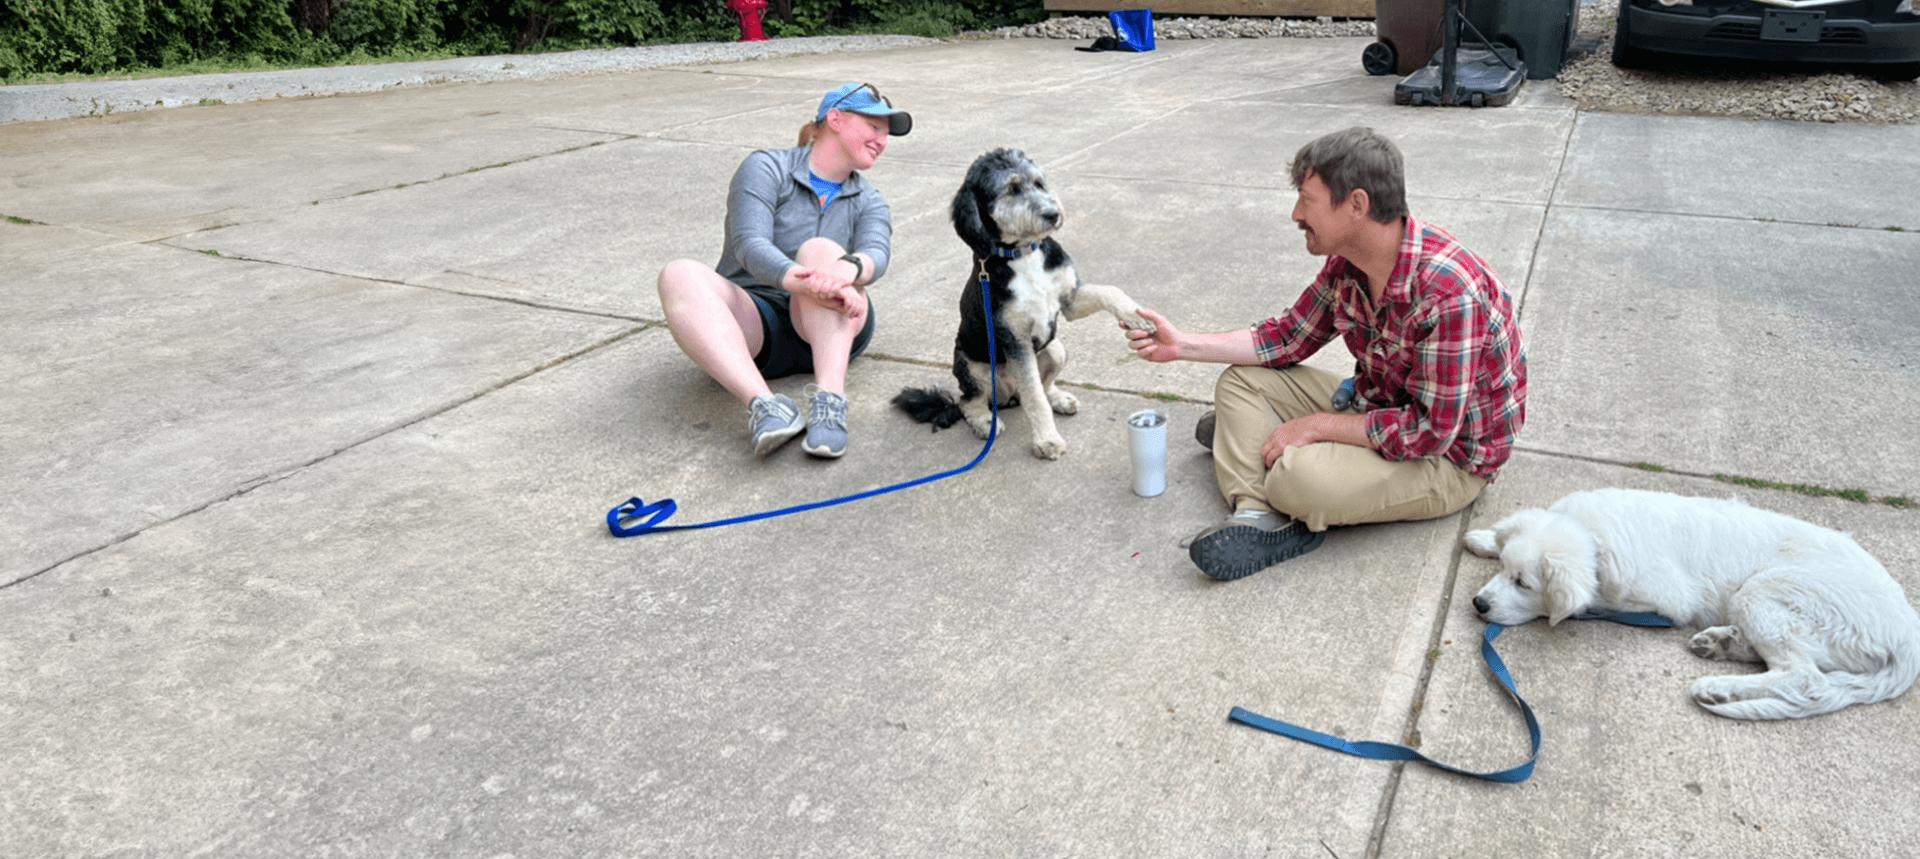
(1589, 79)
(99, 97)
(1090, 28)
(1596, 84)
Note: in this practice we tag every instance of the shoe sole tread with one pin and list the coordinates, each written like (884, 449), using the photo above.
(1237, 552)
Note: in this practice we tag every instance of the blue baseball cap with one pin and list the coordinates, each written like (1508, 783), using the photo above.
(863, 99)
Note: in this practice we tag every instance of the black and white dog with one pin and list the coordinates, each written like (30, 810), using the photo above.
(1006, 214)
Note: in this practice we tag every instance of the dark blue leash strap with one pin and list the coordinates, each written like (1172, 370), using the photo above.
(1391, 752)
(634, 517)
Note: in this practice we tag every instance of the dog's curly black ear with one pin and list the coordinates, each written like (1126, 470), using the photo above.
(967, 219)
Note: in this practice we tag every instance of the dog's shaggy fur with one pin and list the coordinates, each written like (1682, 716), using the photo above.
(1832, 628)
(1006, 213)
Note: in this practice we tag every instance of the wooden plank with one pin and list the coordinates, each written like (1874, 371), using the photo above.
(1235, 8)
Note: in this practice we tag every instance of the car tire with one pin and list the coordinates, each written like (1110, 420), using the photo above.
(1624, 55)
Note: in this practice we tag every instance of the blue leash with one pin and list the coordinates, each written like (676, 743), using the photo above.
(621, 519)
(1391, 752)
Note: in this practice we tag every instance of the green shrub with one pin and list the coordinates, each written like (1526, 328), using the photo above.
(383, 26)
(42, 37)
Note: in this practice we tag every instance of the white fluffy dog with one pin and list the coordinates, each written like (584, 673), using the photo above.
(1832, 628)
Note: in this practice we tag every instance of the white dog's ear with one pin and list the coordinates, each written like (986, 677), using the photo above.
(1570, 583)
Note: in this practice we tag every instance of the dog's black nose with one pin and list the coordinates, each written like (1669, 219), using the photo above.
(1480, 604)
(1051, 216)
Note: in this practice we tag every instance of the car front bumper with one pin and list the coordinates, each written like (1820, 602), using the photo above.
(1736, 35)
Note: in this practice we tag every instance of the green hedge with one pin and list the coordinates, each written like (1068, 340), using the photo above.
(39, 37)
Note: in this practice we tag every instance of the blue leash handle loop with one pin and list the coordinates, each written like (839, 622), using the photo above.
(1392, 752)
(652, 517)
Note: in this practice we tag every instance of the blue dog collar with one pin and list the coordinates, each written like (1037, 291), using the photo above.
(1008, 252)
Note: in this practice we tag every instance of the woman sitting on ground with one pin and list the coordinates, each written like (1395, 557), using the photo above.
(806, 233)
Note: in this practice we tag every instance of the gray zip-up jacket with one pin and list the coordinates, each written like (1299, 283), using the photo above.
(771, 211)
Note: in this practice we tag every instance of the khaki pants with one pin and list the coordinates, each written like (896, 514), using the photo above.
(1320, 484)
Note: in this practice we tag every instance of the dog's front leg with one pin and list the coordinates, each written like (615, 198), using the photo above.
(1052, 359)
(1090, 297)
(1025, 367)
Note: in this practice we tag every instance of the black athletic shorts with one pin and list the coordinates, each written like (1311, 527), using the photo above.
(782, 352)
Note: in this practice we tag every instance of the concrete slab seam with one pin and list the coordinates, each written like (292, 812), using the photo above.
(1858, 496)
(1066, 161)
(1286, 187)
(1540, 233)
(270, 479)
(504, 299)
(479, 168)
(1248, 97)
(1745, 219)
(115, 239)
(1376, 840)
(619, 135)
(959, 166)
(163, 240)
(798, 109)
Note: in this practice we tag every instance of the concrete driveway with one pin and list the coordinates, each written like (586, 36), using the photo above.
(314, 408)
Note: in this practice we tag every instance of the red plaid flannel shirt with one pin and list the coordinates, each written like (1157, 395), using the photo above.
(1441, 364)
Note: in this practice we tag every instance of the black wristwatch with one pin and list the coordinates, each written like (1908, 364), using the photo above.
(859, 268)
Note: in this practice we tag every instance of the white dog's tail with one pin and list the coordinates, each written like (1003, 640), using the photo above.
(1841, 690)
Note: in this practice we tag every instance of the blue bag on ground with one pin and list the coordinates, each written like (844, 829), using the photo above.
(1132, 29)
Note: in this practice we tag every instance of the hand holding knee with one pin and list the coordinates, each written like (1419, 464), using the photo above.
(798, 280)
(1294, 433)
(849, 300)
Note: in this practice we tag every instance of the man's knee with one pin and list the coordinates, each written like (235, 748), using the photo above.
(1307, 483)
(1235, 381)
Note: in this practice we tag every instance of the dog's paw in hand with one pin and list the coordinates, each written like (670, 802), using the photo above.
(1131, 318)
(1050, 448)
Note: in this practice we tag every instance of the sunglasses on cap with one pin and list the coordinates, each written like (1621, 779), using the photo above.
(852, 92)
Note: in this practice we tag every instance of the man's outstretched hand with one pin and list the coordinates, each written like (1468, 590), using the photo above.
(1160, 345)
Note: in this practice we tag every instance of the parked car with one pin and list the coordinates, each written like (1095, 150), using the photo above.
(1880, 37)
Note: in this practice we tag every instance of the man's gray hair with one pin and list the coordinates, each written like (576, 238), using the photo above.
(1357, 159)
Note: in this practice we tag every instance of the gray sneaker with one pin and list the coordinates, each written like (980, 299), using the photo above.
(1203, 431)
(826, 425)
(773, 419)
(1248, 542)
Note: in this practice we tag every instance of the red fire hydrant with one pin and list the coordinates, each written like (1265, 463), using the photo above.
(749, 12)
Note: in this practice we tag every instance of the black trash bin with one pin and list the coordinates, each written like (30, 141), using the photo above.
(1409, 33)
(1541, 30)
